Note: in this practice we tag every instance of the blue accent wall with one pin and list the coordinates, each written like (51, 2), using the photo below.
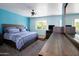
(7, 17)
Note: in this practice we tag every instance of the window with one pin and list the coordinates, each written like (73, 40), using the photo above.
(41, 25)
(76, 24)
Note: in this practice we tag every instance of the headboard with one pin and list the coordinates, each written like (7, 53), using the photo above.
(10, 25)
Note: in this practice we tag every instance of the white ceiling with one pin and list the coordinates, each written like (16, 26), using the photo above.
(72, 8)
(41, 9)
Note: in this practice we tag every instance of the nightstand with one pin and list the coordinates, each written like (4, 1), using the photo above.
(48, 33)
(1, 40)
(41, 37)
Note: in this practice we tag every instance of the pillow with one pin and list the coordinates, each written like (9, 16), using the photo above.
(10, 27)
(23, 29)
(12, 30)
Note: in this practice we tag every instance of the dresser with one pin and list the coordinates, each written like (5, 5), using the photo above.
(49, 31)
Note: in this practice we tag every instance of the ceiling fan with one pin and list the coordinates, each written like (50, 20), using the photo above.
(33, 12)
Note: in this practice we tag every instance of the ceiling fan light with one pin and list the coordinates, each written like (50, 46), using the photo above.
(33, 13)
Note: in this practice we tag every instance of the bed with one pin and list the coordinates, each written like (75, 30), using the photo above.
(18, 39)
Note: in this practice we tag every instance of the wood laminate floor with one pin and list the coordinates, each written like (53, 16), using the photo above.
(58, 45)
(31, 50)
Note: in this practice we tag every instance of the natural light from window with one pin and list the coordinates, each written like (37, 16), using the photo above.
(41, 25)
(76, 24)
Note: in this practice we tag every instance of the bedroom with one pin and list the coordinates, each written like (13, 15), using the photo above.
(35, 19)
